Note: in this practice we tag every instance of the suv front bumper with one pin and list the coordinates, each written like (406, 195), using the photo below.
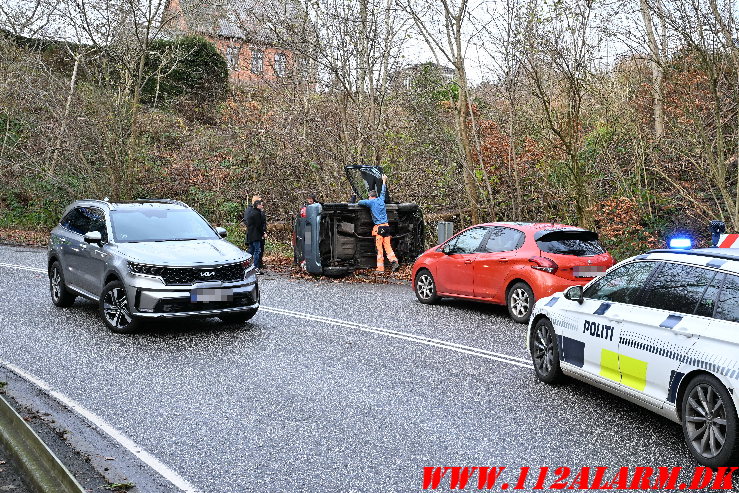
(148, 301)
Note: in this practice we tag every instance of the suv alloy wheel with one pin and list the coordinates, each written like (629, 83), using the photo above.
(114, 309)
(60, 295)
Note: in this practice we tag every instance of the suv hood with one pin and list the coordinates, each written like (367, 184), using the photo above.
(182, 253)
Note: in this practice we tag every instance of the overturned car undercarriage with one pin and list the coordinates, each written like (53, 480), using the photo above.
(336, 238)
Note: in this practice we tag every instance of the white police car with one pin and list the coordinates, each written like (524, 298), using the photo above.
(661, 330)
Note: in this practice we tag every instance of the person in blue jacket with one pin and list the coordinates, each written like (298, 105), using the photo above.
(381, 229)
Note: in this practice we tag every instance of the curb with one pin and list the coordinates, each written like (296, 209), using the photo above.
(43, 470)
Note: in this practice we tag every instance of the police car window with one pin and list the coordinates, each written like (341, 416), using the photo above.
(78, 221)
(678, 287)
(503, 240)
(621, 285)
(469, 241)
(728, 302)
(707, 304)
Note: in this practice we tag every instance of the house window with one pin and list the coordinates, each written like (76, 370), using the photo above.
(257, 61)
(232, 57)
(280, 64)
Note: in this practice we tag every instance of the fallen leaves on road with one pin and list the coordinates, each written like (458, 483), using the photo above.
(24, 237)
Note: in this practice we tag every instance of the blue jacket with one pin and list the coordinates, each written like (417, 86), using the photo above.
(377, 207)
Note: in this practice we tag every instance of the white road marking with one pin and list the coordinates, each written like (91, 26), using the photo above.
(103, 425)
(452, 346)
(23, 267)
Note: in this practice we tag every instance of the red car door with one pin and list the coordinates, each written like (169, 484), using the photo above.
(454, 270)
(500, 253)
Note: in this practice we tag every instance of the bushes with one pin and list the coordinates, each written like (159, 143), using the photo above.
(188, 69)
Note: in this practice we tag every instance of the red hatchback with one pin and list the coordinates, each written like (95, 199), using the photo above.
(511, 264)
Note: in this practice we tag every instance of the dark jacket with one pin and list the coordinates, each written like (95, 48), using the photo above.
(256, 224)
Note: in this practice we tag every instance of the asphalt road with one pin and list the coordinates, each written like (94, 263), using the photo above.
(355, 389)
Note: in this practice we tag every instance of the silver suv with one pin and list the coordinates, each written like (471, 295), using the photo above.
(149, 259)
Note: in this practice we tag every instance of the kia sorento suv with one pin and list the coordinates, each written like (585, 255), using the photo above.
(149, 259)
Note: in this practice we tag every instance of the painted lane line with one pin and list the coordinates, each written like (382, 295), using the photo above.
(513, 360)
(23, 267)
(116, 435)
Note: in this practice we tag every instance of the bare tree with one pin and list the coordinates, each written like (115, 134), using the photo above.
(559, 53)
(30, 18)
(445, 27)
(653, 16)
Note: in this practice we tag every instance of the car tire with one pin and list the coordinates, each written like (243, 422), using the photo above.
(708, 412)
(238, 318)
(425, 287)
(545, 352)
(114, 309)
(60, 295)
(336, 271)
(520, 302)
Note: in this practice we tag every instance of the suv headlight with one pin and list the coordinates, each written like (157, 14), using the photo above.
(146, 269)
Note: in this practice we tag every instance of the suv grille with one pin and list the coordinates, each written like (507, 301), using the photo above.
(190, 275)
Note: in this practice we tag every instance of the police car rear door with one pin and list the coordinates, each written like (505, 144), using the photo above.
(658, 335)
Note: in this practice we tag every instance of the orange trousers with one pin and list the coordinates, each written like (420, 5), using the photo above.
(382, 243)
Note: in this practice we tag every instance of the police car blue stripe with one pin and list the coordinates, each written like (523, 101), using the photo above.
(603, 308)
(552, 301)
(717, 263)
(572, 351)
(671, 321)
(675, 379)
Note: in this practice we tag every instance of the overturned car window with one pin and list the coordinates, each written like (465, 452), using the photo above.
(580, 243)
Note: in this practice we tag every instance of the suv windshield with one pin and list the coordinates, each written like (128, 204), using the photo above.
(579, 243)
(156, 224)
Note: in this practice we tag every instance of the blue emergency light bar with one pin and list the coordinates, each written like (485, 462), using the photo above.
(681, 243)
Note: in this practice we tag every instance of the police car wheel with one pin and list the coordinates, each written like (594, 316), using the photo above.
(520, 302)
(545, 352)
(710, 422)
(425, 287)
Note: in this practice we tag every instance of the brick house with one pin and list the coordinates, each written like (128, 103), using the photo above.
(244, 34)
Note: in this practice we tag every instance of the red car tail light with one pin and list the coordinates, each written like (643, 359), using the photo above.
(545, 264)
(303, 212)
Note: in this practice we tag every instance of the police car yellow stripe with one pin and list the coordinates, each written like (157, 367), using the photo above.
(609, 365)
(633, 372)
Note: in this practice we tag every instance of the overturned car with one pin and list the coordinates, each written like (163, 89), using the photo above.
(334, 239)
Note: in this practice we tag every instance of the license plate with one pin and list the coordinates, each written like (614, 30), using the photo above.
(589, 270)
(211, 294)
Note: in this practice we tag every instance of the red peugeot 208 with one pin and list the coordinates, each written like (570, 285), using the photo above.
(511, 264)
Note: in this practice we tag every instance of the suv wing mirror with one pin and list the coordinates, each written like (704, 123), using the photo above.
(574, 293)
(93, 237)
(221, 232)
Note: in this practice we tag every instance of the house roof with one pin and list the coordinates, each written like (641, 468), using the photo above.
(252, 20)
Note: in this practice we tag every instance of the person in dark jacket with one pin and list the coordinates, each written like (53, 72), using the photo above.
(256, 231)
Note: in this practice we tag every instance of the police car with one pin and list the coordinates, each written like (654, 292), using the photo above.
(660, 330)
